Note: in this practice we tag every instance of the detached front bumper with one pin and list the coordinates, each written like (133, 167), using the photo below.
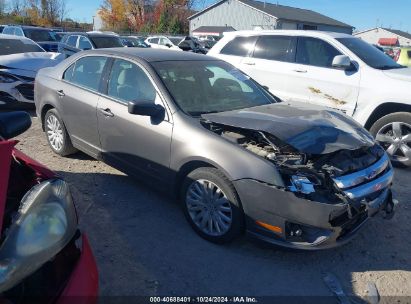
(279, 217)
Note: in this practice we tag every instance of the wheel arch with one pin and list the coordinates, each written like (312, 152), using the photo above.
(385, 109)
(189, 167)
(47, 107)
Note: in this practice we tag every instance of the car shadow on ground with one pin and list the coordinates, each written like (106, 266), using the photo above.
(144, 246)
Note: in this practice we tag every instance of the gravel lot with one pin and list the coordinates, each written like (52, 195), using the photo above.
(144, 246)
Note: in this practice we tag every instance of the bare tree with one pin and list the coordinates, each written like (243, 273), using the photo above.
(17, 6)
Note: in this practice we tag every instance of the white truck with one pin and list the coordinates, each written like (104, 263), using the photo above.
(333, 70)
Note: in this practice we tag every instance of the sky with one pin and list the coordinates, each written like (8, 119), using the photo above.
(362, 14)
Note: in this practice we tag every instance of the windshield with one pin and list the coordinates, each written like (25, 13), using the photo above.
(175, 40)
(107, 42)
(39, 34)
(137, 42)
(369, 54)
(16, 46)
(200, 87)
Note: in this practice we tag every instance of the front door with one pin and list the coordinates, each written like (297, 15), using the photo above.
(133, 143)
(316, 78)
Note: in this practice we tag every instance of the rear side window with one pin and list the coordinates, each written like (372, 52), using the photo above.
(72, 41)
(239, 46)
(280, 48)
(87, 72)
(316, 52)
(153, 40)
(9, 30)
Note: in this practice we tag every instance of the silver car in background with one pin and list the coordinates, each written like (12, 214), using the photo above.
(20, 59)
(235, 156)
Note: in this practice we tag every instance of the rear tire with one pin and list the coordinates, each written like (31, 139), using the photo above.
(393, 132)
(211, 205)
(56, 134)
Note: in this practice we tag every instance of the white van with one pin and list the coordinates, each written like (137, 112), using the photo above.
(333, 70)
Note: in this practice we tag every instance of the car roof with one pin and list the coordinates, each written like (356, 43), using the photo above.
(153, 55)
(289, 33)
(5, 36)
(31, 27)
(92, 34)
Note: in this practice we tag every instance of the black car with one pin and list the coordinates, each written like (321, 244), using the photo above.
(72, 43)
(192, 44)
(45, 37)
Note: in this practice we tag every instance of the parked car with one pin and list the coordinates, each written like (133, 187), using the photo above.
(1, 28)
(209, 38)
(20, 59)
(161, 42)
(192, 44)
(45, 37)
(134, 41)
(332, 70)
(72, 43)
(403, 56)
(44, 257)
(291, 174)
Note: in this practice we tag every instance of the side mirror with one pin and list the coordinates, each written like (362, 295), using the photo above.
(146, 108)
(341, 62)
(168, 45)
(13, 124)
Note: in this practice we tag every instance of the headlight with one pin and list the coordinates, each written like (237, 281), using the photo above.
(46, 222)
(7, 78)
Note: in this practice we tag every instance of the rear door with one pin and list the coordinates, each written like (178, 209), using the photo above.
(270, 61)
(78, 95)
(133, 143)
(237, 49)
(317, 79)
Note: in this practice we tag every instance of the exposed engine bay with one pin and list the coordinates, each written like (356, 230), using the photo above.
(310, 175)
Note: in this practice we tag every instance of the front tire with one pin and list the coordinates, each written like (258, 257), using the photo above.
(56, 134)
(393, 133)
(211, 205)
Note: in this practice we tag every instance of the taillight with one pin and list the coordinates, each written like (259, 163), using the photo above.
(397, 56)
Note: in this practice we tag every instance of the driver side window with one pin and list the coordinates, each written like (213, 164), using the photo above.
(128, 82)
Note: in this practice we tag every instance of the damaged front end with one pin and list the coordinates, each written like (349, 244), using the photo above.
(326, 197)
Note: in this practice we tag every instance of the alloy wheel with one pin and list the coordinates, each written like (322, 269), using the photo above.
(54, 132)
(209, 208)
(395, 137)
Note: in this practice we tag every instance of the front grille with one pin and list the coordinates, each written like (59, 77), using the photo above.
(27, 90)
(364, 184)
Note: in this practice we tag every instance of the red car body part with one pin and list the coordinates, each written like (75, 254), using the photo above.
(6, 148)
(82, 287)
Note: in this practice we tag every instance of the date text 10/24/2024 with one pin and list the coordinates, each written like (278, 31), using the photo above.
(203, 300)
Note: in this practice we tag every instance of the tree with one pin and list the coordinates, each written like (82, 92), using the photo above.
(113, 14)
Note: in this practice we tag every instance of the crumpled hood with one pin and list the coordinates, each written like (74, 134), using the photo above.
(400, 74)
(307, 128)
(27, 64)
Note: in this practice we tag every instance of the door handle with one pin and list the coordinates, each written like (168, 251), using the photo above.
(300, 71)
(249, 63)
(107, 112)
(61, 93)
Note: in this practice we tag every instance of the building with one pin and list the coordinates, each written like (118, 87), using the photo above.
(251, 14)
(385, 37)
